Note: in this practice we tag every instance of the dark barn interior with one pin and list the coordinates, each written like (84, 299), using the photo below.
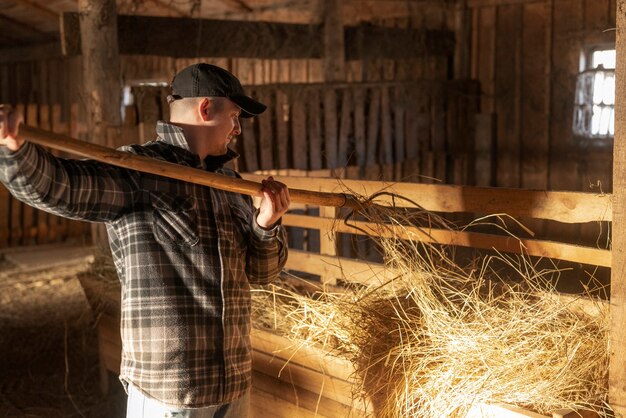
(467, 107)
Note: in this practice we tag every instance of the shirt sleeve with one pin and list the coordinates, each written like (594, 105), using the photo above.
(77, 189)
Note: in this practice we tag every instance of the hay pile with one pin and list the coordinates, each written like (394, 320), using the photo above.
(439, 338)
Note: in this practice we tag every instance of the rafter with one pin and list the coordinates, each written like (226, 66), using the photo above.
(21, 25)
(37, 6)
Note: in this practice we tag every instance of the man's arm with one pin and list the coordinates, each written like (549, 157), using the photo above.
(85, 190)
(267, 249)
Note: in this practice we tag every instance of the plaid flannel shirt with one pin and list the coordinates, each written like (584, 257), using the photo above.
(184, 253)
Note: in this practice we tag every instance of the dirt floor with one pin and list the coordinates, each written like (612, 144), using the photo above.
(48, 346)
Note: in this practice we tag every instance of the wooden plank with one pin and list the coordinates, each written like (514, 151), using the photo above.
(500, 411)
(346, 122)
(617, 331)
(359, 127)
(306, 401)
(534, 118)
(539, 248)
(386, 134)
(282, 126)
(311, 380)
(270, 405)
(485, 147)
(312, 357)
(299, 132)
(399, 124)
(485, 57)
(508, 43)
(328, 241)
(330, 127)
(333, 38)
(338, 267)
(373, 126)
(565, 207)
(249, 144)
(314, 129)
(266, 136)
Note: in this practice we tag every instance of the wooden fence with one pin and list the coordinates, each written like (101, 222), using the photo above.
(306, 382)
(426, 127)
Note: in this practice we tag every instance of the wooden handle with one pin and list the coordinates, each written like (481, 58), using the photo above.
(174, 171)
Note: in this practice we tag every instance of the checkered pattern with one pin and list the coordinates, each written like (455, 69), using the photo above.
(185, 255)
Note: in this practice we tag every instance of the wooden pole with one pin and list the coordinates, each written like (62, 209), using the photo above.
(617, 338)
(175, 171)
(101, 75)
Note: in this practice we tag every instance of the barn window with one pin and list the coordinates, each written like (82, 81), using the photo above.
(595, 96)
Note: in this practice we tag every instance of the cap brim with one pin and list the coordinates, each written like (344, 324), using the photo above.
(249, 106)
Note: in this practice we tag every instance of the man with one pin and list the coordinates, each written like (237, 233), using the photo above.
(184, 253)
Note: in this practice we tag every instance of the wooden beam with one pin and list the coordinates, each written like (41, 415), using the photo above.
(501, 243)
(102, 87)
(186, 37)
(566, 207)
(333, 33)
(617, 334)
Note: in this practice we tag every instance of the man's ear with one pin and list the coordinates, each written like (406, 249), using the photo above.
(205, 109)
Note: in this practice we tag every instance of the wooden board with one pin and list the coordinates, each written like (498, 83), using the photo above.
(508, 61)
(565, 207)
(314, 130)
(299, 132)
(532, 247)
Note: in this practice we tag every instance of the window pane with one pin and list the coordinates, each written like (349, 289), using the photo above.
(605, 58)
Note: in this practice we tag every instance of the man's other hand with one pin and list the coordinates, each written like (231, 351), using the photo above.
(10, 120)
(274, 204)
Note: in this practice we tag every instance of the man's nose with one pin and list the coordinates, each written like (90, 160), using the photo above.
(237, 127)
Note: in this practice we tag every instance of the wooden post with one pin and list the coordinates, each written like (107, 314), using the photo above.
(617, 338)
(101, 73)
(333, 35)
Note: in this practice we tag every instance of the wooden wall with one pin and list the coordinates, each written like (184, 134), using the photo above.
(49, 90)
(526, 54)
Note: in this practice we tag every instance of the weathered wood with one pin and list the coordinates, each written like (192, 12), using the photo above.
(249, 144)
(275, 398)
(334, 51)
(398, 124)
(328, 386)
(617, 334)
(534, 126)
(359, 127)
(564, 207)
(299, 133)
(344, 130)
(485, 146)
(539, 248)
(484, 59)
(314, 130)
(160, 36)
(373, 127)
(507, 58)
(330, 127)
(282, 126)
(385, 130)
(266, 136)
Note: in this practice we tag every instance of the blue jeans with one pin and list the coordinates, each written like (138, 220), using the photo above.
(140, 406)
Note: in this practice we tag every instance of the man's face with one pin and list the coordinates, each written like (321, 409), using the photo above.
(224, 126)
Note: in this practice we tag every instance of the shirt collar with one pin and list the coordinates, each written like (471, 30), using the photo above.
(174, 135)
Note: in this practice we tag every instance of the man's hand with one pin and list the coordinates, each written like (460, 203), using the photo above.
(10, 120)
(274, 204)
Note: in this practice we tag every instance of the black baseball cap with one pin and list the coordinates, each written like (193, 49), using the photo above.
(207, 80)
